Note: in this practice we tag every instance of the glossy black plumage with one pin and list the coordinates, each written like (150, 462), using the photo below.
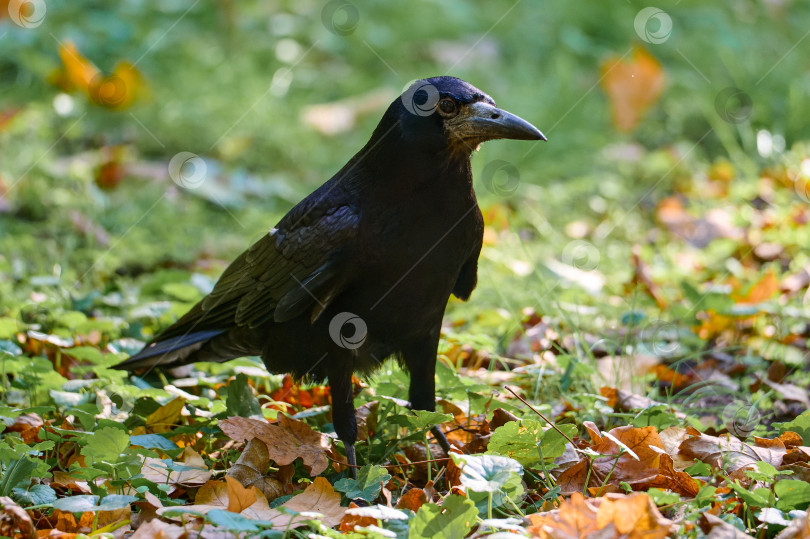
(362, 268)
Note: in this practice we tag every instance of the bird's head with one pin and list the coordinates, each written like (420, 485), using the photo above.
(448, 113)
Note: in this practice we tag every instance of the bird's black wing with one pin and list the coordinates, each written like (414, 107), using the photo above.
(295, 268)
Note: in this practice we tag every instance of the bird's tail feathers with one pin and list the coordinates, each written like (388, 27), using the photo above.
(171, 352)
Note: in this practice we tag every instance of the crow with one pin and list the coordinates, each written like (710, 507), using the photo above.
(361, 269)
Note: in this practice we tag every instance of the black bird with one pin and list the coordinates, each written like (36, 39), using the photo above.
(362, 268)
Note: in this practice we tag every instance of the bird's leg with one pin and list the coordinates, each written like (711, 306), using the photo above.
(421, 362)
(343, 415)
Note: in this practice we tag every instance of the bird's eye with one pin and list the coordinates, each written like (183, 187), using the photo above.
(447, 107)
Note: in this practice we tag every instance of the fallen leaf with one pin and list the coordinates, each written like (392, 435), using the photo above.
(289, 440)
(618, 516)
(631, 86)
(193, 472)
(14, 520)
(729, 453)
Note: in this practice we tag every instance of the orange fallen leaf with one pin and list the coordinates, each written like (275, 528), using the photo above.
(613, 516)
(413, 499)
(350, 521)
(760, 291)
(643, 464)
(631, 86)
(293, 394)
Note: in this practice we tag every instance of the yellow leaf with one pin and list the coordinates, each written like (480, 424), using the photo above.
(166, 417)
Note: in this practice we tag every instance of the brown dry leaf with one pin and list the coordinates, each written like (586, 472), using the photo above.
(716, 528)
(64, 480)
(319, 497)
(593, 432)
(631, 86)
(642, 275)
(89, 521)
(790, 392)
(366, 416)
(647, 466)
(289, 440)
(671, 377)
(349, 521)
(634, 515)
(155, 470)
(672, 437)
(615, 516)
(28, 426)
(158, 529)
(250, 467)
(413, 499)
(729, 453)
(239, 497)
(574, 519)
(14, 520)
(228, 495)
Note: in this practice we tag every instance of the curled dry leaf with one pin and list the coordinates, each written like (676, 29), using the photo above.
(612, 516)
(27, 425)
(729, 453)
(157, 470)
(287, 441)
(14, 521)
(413, 499)
(158, 529)
(249, 470)
(647, 466)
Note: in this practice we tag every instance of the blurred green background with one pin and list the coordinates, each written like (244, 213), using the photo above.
(91, 220)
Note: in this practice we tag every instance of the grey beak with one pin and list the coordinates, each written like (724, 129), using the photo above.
(491, 122)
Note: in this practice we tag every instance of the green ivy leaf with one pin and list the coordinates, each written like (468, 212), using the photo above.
(800, 425)
(153, 441)
(368, 484)
(452, 520)
(525, 440)
(106, 445)
(792, 494)
(36, 495)
(231, 521)
(486, 473)
(420, 419)
(240, 400)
